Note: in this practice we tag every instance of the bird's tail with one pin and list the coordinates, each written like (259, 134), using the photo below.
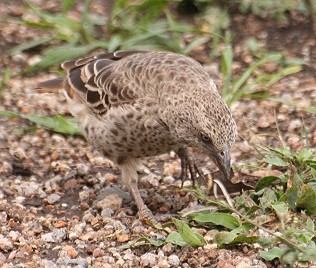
(51, 85)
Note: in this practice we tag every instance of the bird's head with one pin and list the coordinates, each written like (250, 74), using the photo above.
(208, 125)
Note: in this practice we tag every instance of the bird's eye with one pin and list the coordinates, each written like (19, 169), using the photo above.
(221, 153)
(205, 138)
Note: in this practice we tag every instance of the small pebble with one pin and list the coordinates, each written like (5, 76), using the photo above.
(14, 235)
(174, 260)
(112, 201)
(2, 259)
(48, 237)
(122, 238)
(53, 198)
(148, 260)
(5, 244)
(97, 253)
(72, 236)
(71, 251)
(107, 213)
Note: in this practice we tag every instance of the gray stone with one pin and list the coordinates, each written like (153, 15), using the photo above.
(53, 198)
(148, 259)
(174, 260)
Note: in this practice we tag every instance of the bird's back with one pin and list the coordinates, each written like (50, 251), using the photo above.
(114, 79)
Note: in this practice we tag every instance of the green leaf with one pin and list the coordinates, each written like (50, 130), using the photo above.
(189, 236)
(264, 182)
(280, 208)
(310, 225)
(282, 152)
(156, 243)
(276, 161)
(176, 239)
(223, 238)
(309, 254)
(304, 155)
(127, 245)
(291, 196)
(132, 244)
(56, 123)
(285, 255)
(307, 199)
(233, 237)
(222, 219)
(282, 211)
(9, 114)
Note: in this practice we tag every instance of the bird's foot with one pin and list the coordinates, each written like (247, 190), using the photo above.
(147, 217)
(188, 166)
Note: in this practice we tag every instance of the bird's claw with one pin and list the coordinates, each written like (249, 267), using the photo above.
(147, 217)
(188, 166)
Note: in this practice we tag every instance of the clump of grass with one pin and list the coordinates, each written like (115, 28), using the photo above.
(145, 25)
(269, 9)
(66, 38)
(149, 25)
(251, 83)
(278, 10)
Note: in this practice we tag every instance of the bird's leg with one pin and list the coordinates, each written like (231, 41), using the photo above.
(188, 166)
(184, 167)
(130, 178)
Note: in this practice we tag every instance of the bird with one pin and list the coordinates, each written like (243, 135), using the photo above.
(137, 104)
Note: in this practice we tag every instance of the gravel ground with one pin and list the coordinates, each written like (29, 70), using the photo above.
(63, 205)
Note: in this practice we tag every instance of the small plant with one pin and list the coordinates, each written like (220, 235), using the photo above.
(251, 83)
(299, 184)
(278, 207)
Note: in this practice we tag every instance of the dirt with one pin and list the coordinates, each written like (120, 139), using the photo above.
(56, 194)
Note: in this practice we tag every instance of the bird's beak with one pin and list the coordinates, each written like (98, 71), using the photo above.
(226, 165)
(223, 163)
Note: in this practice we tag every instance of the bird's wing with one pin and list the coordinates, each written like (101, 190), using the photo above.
(95, 82)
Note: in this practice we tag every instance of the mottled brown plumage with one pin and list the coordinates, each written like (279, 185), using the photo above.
(134, 104)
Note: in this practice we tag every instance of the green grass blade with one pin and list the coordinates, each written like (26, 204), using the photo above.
(86, 26)
(66, 5)
(5, 77)
(57, 123)
(31, 44)
(238, 83)
(114, 43)
(227, 71)
(195, 43)
(55, 56)
(9, 114)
